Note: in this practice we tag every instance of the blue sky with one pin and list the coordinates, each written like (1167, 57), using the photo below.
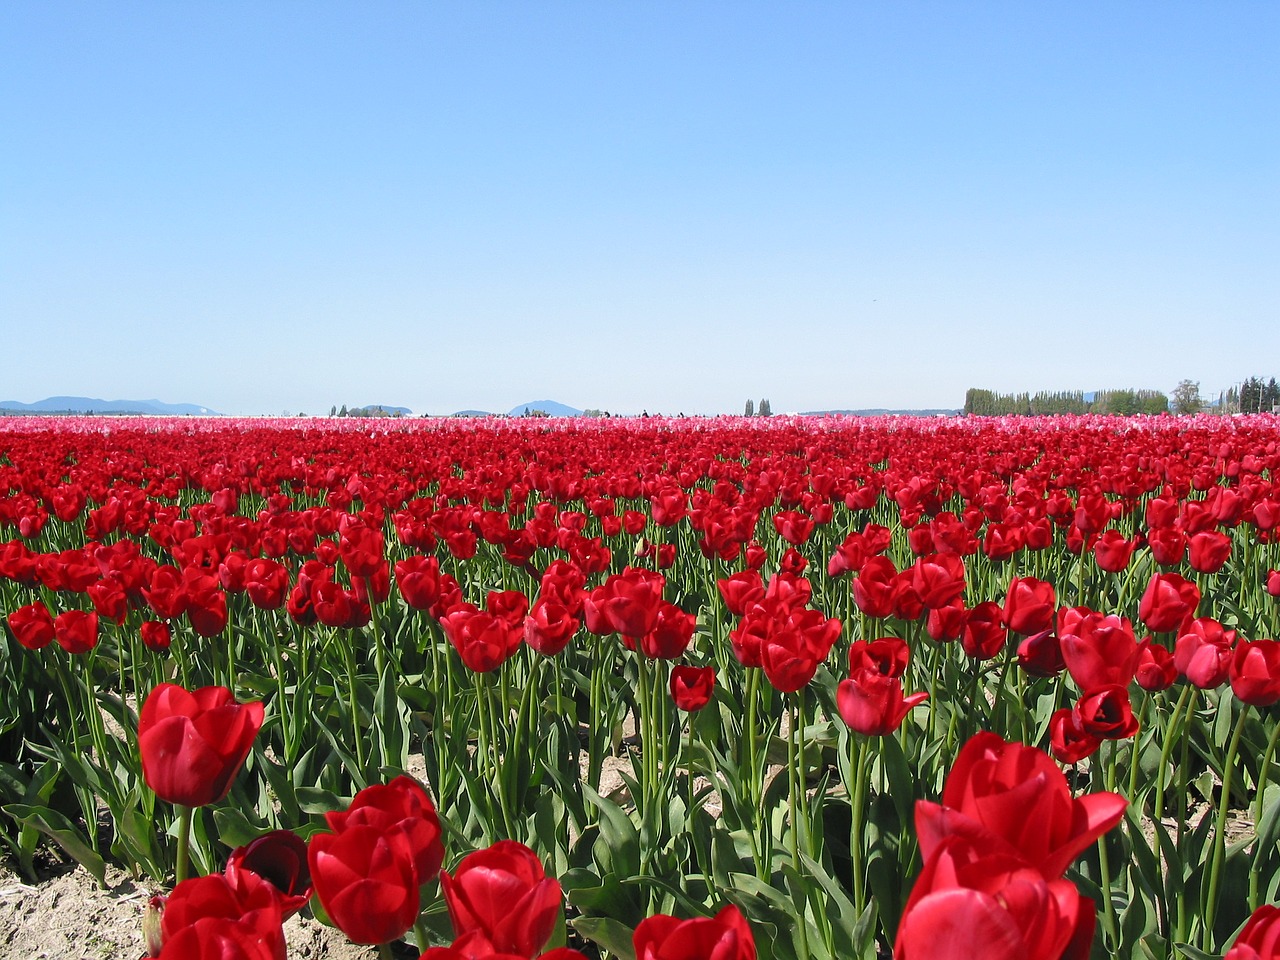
(263, 207)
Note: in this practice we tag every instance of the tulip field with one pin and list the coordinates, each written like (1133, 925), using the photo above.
(654, 689)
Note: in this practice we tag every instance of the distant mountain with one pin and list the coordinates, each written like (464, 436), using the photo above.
(881, 412)
(473, 413)
(550, 407)
(92, 405)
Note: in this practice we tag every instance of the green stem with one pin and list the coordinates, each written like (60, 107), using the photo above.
(1104, 864)
(184, 844)
(1219, 829)
(859, 801)
(1260, 790)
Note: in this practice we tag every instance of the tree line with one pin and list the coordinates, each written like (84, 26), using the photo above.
(988, 403)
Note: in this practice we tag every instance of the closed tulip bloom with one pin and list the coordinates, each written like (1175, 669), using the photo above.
(1112, 551)
(1156, 669)
(267, 583)
(626, 603)
(970, 901)
(873, 704)
(1208, 551)
(670, 635)
(1202, 653)
(1068, 742)
(76, 631)
(418, 579)
(1255, 672)
(741, 590)
(984, 634)
(32, 625)
(483, 641)
(366, 882)
(1168, 545)
(1101, 652)
(887, 655)
(400, 807)
(1013, 799)
(726, 936)
(1259, 938)
(1040, 654)
(194, 743)
(873, 587)
(504, 893)
(209, 918)
(549, 626)
(938, 579)
(1029, 605)
(692, 687)
(1168, 601)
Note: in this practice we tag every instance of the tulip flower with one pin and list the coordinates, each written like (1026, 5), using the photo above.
(1168, 601)
(76, 631)
(1106, 713)
(970, 901)
(32, 625)
(504, 893)
(280, 858)
(400, 807)
(1029, 605)
(1013, 799)
(1255, 672)
(1259, 938)
(210, 918)
(1068, 741)
(692, 687)
(726, 936)
(873, 704)
(366, 882)
(193, 743)
(1101, 651)
(1156, 669)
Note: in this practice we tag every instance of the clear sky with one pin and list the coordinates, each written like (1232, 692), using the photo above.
(271, 206)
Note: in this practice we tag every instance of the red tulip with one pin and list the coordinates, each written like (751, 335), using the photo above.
(726, 936)
(76, 631)
(1168, 601)
(888, 656)
(32, 625)
(1068, 741)
(400, 807)
(670, 635)
(938, 579)
(873, 704)
(1156, 669)
(1202, 653)
(1255, 672)
(873, 587)
(504, 893)
(483, 641)
(627, 603)
(984, 634)
(1101, 651)
(1014, 800)
(209, 918)
(1029, 605)
(549, 627)
(971, 901)
(1168, 545)
(1106, 713)
(193, 743)
(1208, 551)
(1112, 550)
(280, 858)
(266, 582)
(473, 946)
(1259, 938)
(692, 687)
(366, 882)
(1041, 654)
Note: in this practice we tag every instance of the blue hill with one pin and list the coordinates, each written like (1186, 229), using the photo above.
(93, 405)
(551, 408)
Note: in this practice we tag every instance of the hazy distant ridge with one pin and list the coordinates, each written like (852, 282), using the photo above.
(93, 405)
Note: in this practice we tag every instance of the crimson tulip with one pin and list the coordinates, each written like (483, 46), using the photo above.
(32, 625)
(193, 742)
(1106, 712)
(1101, 651)
(970, 901)
(726, 936)
(366, 882)
(1202, 653)
(1029, 605)
(401, 807)
(1168, 601)
(1255, 672)
(418, 579)
(280, 858)
(1068, 741)
(503, 892)
(1208, 551)
(692, 687)
(76, 631)
(1156, 669)
(549, 626)
(1259, 938)
(984, 634)
(873, 704)
(210, 918)
(1013, 799)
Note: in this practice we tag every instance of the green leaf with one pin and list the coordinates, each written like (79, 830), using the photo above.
(61, 831)
(609, 933)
